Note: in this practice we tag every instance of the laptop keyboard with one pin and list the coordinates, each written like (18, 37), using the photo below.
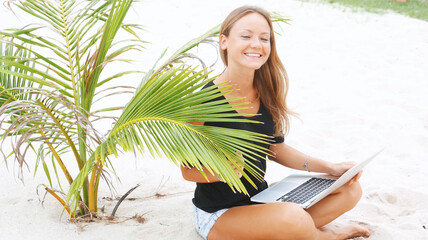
(307, 190)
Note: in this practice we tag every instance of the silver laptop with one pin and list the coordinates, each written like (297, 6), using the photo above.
(307, 189)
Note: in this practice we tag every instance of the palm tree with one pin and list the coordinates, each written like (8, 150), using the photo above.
(52, 74)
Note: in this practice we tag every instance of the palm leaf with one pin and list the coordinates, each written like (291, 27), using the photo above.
(113, 24)
(12, 88)
(82, 31)
(156, 120)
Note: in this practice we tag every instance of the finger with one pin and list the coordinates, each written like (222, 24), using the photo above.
(355, 178)
(350, 182)
(358, 176)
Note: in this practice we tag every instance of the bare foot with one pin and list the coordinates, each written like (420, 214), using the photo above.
(344, 232)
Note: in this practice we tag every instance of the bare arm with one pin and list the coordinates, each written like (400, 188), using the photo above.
(292, 158)
(192, 174)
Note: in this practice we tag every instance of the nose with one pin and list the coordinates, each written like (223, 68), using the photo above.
(255, 43)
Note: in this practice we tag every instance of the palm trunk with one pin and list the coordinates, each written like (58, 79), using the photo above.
(82, 150)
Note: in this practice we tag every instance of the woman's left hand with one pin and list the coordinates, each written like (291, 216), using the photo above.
(339, 169)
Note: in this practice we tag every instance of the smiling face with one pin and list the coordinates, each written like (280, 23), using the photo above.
(248, 43)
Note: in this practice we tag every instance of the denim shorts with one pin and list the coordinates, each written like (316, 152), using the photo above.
(205, 221)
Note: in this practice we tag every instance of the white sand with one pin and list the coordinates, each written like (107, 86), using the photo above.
(359, 82)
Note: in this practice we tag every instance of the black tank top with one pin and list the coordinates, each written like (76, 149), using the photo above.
(212, 197)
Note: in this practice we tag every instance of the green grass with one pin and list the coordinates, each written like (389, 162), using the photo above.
(412, 8)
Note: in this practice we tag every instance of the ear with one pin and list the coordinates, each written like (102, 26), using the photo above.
(223, 42)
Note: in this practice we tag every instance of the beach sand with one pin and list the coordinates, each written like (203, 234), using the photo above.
(359, 82)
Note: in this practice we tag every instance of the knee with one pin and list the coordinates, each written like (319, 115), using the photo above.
(353, 194)
(294, 221)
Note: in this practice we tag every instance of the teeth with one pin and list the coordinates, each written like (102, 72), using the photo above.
(253, 54)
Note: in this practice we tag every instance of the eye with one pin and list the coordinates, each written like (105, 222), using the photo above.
(265, 39)
(245, 36)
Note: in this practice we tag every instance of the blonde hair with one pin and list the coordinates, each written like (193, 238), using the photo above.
(270, 80)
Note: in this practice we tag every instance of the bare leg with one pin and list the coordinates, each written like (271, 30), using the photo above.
(290, 221)
(264, 221)
(342, 200)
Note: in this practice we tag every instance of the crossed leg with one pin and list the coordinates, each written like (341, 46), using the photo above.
(290, 221)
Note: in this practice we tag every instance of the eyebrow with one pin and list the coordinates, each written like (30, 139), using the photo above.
(249, 30)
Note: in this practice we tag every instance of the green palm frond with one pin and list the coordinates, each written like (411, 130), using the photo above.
(77, 49)
(12, 87)
(157, 120)
(92, 74)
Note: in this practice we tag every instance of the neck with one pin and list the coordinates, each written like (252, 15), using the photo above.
(240, 79)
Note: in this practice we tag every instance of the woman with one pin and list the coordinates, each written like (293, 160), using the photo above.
(247, 47)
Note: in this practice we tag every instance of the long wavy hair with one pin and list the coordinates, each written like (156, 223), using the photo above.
(271, 79)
